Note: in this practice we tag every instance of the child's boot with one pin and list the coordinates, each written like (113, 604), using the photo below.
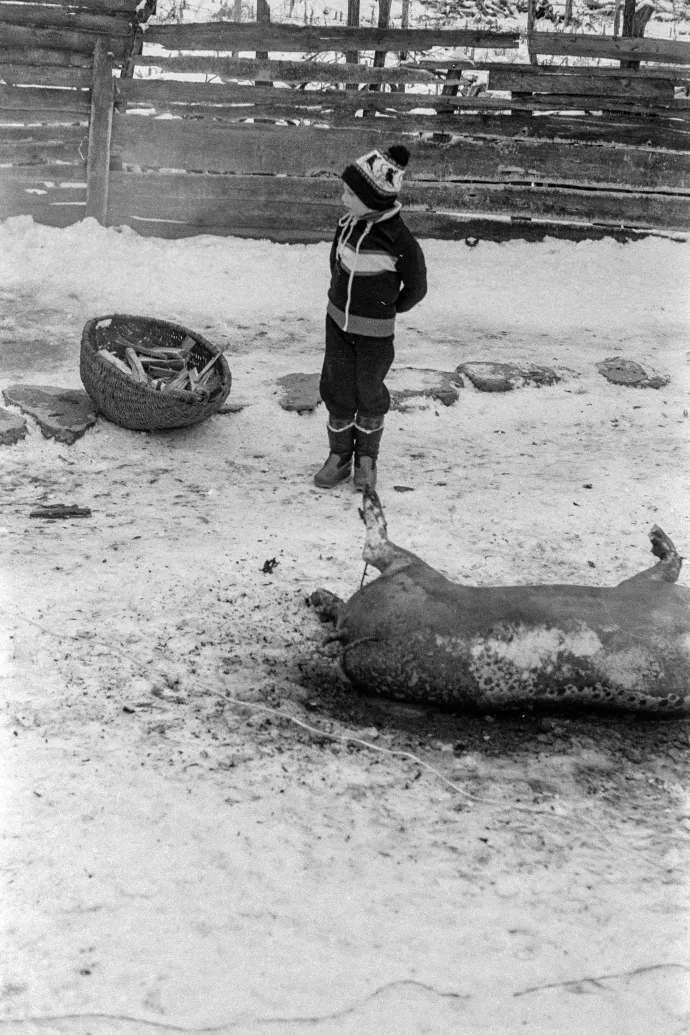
(338, 466)
(368, 432)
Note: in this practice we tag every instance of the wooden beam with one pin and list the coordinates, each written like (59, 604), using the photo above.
(286, 71)
(637, 29)
(92, 6)
(628, 16)
(304, 102)
(98, 161)
(262, 202)
(243, 101)
(616, 48)
(432, 225)
(42, 174)
(404, 23)
(380, 55)
(603, 102)
(44, 99)
(547, 83)
(44, 56)
(305, 151)
(622, 129)
(46, 75)
(670, 73)
(263, 17)
(351, 56)
(310, 39)
(41, 145)
(40, 16)
(530, 31)
(628, 19)
(59, 39)
(45, 192)
(47, 212)
(43, 117)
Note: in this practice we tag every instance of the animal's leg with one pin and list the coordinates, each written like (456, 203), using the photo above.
(670, 562)
(326, 604)
(378, 550)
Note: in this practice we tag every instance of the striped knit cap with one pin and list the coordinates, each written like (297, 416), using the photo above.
(376, 178)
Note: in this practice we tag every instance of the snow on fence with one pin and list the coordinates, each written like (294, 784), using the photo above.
(196, 136)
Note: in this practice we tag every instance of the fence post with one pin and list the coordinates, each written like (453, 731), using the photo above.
(380, 55)
(263, 16)
(530, 30)
(628, 22)
(352, 56)
(635, 24)
(100, 129)
(405, 24)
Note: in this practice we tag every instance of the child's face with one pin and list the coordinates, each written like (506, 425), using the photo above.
(354, 205)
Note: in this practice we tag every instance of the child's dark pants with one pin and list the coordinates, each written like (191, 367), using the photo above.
(354, 367)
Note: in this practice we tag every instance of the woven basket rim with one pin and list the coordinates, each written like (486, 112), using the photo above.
(186, 399)
(94, 320)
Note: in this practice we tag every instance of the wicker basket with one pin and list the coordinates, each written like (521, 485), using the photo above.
(139, 406)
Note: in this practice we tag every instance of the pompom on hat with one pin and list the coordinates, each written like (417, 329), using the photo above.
(376, 177)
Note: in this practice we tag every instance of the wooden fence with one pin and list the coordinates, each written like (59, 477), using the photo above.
(255, 146)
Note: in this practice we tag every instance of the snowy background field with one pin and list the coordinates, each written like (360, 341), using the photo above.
(195, 834)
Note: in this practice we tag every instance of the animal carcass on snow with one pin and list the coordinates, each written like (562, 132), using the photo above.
(413, 635)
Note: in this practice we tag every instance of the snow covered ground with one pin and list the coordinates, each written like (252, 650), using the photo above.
(177, 848)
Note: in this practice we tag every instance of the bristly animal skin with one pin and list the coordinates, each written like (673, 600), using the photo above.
(414, 635)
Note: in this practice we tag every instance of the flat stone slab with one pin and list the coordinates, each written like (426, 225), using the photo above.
(12, 428)
(408, 383)
(300, 392)
(626, 372)
(61, 413)
(505, 377)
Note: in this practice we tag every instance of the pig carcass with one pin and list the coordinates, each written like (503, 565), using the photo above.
(413, 635)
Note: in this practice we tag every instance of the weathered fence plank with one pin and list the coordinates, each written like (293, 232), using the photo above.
(19, 193)
(602, 102)
(585, 45)
(396, 99)
(674, 73)
(162, 92)
(311, 39)
(42, 145)
(56, 214)
(50, 75)
(43, 117)
(100, 127)
(553, 83)
(578, 129)
(304, 151)
(338, 110)
(43, 56)
(14, 98)
(42, 174)
(59, 39)
(286, 71)
(41, 16)
(254, 202)
(89, 6)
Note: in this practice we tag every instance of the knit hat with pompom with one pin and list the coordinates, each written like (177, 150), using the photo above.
(376, 178)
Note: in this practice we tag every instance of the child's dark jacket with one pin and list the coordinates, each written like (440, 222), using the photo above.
(377, 270)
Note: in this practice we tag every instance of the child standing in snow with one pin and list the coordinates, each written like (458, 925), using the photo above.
(377, 270)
